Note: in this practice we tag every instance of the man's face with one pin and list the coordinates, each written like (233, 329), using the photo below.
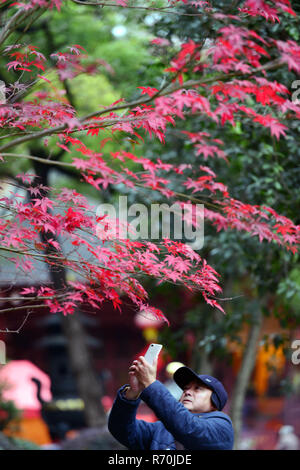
(197, 398)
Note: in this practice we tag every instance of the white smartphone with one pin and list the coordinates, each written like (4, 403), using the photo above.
(152, 352)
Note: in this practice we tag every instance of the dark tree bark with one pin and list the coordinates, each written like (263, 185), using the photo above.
(89, 387)
(240, 389)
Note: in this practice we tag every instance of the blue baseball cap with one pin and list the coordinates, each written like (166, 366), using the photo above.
(185, 375)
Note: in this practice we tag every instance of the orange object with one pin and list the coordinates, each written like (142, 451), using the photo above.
(32, 429)
(267, 359)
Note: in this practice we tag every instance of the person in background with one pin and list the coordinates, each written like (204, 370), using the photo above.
(287, 439)
(195, 422)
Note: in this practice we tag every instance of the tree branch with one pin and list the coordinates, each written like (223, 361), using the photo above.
(15, 21)
(189, 84)
(12, 309)
(38, 159)
(167, 9)
(20, 327)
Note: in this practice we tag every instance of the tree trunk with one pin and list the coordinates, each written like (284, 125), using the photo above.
(88, 386)
(204, 363)
(244, 375)
(201, 362)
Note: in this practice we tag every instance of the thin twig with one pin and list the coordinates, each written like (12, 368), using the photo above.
(20, 327)
(24, 307)
(50, 297)
(51, 162)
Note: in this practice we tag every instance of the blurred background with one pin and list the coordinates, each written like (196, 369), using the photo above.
(48, 400)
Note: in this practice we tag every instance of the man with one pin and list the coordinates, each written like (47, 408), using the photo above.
(195, 422)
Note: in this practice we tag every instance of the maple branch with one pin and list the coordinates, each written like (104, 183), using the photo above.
(186, 196)
(16, 20)
(64, 261)
(70, 165)
(26, 253)
(38, 159)
(50, 297)
(273, 64)
(12, 309)
(11, 25)
(139, 7)
(62, 127)
(10, 135)
(189, 84)
(20, 327)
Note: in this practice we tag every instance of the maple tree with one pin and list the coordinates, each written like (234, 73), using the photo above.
(223, 81)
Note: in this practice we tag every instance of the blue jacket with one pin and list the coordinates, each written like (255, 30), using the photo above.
(199, 431)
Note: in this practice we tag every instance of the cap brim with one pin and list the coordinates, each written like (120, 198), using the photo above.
(185, 375)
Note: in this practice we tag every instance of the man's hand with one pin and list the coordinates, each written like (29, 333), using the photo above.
(135, 389)
(143, 371)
